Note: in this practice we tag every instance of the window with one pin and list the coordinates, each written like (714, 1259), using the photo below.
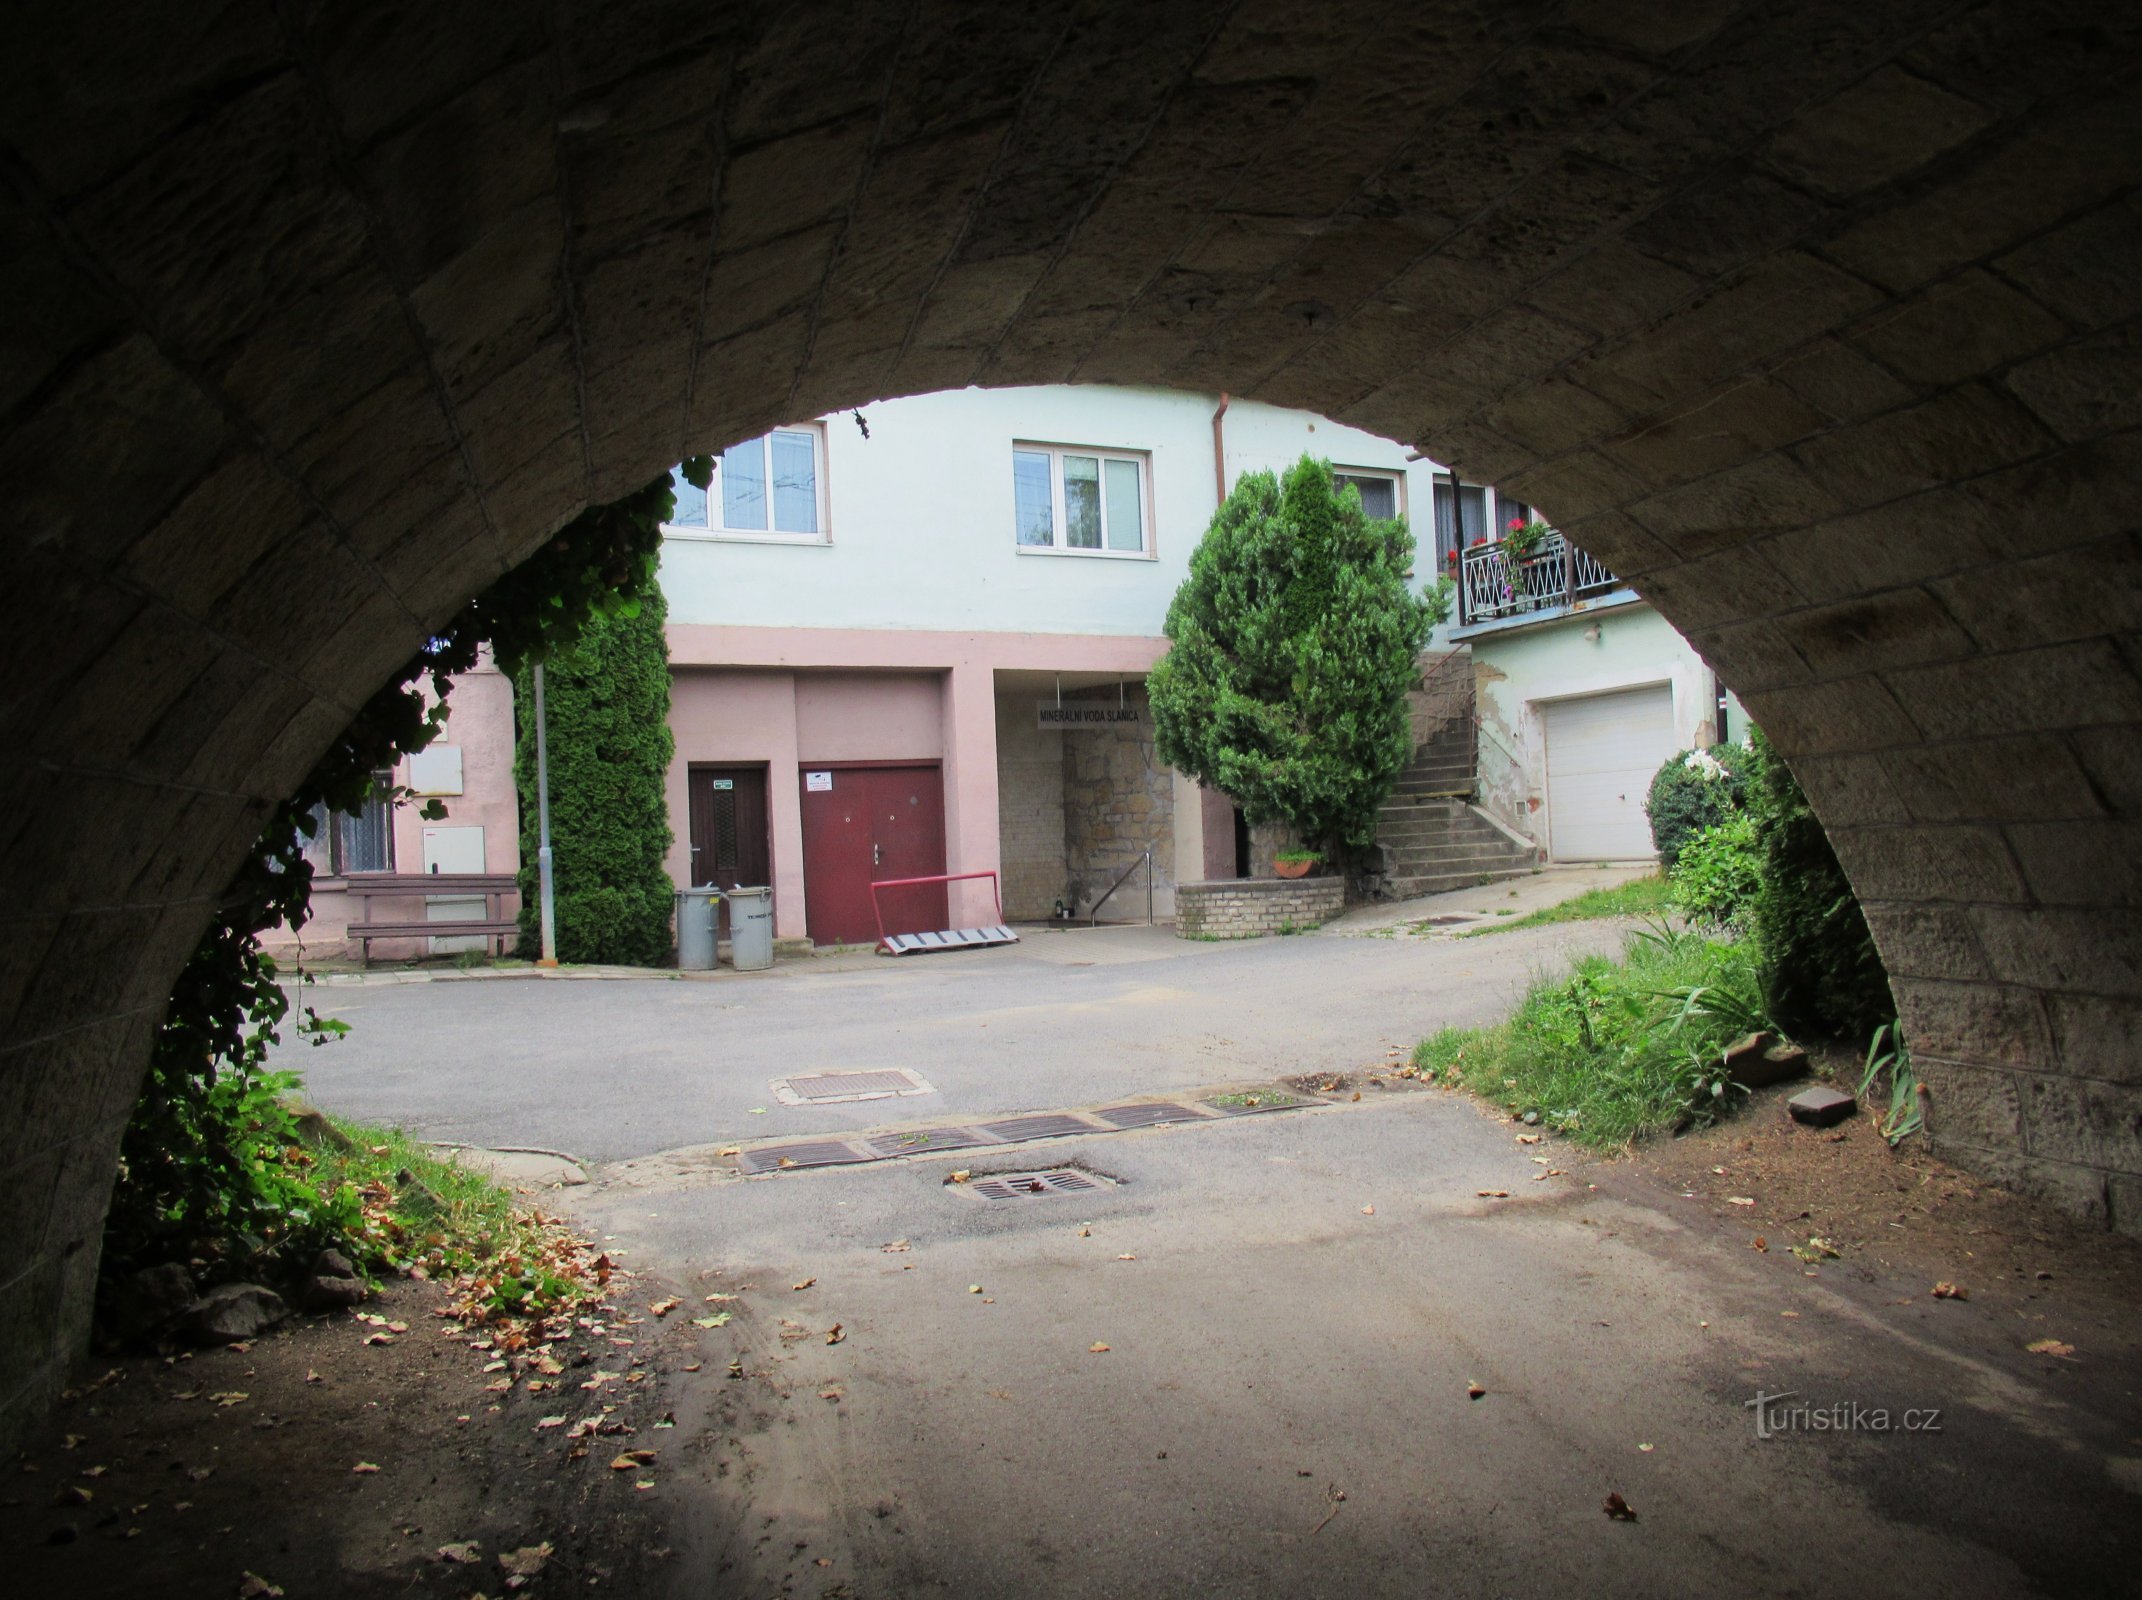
(772, 487)
(1079, 500)
(1379, 492)
(1461, 516)
(342, 844)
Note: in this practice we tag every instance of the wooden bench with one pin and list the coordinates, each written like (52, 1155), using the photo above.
(493, 886)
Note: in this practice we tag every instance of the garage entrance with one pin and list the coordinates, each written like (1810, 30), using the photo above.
(1602, 751)
(864, 823)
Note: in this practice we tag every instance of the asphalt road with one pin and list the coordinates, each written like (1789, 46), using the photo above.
(1295, 1306)
(607, 1070)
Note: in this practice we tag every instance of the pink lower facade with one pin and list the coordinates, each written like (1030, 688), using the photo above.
(799, 700)
(1062, 809)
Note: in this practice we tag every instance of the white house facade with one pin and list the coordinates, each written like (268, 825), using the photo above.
(910, 642)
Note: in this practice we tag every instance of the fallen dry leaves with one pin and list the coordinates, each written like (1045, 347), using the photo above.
(1951, 1291)
(805, 1284)
(835, 1334)
(1617, 1508)
(526, 1562)
(1097, 1348)
(1492, 1194)
(2050, 1347)
(664, 1307)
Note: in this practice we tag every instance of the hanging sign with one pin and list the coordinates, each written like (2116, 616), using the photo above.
(817, 782)
(1089, 714)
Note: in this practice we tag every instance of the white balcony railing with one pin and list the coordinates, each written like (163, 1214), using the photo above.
(1492, 583)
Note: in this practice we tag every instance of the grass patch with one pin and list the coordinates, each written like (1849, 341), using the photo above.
(1640, 897)
(1614, 1050)
(406, 1209)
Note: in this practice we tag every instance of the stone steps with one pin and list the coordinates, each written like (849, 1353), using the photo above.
(1431, 838)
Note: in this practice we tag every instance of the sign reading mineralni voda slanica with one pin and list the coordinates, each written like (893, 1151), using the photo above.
(1076, 714)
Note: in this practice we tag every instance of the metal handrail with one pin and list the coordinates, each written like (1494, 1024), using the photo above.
(1093, 917)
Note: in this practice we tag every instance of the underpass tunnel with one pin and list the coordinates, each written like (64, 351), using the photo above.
(1816, 322)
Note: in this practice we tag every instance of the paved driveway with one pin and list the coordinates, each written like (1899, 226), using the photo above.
(1295, 1308)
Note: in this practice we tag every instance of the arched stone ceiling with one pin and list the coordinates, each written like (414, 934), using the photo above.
(1814, 318)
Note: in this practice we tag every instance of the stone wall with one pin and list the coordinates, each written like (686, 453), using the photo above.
(1251, 908)
(1030, 809)
(1117, 798)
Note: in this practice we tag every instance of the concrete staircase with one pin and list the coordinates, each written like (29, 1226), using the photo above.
(1430, 837)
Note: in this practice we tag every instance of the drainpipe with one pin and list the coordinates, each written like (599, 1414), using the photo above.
(548, 898)
(1219, 452)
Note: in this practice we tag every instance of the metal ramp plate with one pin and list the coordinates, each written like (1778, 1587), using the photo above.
(915, 944)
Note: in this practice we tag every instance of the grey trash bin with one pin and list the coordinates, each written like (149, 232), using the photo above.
(751, 929)
(698, 913)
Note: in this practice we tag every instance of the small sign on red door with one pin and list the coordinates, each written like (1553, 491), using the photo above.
(817, 782)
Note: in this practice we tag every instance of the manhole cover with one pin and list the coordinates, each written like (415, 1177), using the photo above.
(830, 1088)
(1033, 1185)
(923, 1140)
(1051, 1125)
(814, 1153)
(1147, 1116)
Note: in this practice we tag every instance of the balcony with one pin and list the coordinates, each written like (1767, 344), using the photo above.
(1554, 579)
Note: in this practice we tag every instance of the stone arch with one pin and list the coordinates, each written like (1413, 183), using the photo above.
(1814, 319)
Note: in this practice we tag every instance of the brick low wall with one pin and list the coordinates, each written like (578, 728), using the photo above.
(1250, 908)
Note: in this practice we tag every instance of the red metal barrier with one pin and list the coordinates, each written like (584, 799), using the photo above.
(878, 911)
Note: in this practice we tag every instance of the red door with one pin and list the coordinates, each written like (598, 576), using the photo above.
(865, 824)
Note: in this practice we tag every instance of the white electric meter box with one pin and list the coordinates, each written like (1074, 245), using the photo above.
(436, 770)
(454, 849)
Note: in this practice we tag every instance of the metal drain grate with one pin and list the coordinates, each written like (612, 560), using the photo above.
(1147, 1116)
(923, 1140)
(831, 1088)
(1032, 1185)
(1052, 1125)
(814, 1153)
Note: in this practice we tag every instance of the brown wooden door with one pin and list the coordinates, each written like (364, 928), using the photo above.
(730, 839)
(863, 825)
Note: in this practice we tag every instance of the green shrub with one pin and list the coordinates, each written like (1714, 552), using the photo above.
(1694, 790)
(1720, 869)
(1821, 973)
(607, 705)
(1293, 643)
(1614, 1050)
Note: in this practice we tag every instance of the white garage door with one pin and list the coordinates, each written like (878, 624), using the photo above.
(1602, 752)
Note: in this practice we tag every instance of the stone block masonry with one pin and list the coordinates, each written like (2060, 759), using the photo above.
(1252, 908)
(1838, 373)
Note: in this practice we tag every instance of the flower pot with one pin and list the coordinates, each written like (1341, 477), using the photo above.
(1292, 869)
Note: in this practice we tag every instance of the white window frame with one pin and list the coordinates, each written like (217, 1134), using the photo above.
(1141, 459)
(710, 533)
(1387, 474)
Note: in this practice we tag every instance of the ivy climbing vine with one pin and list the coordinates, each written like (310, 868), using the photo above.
(202, 1175)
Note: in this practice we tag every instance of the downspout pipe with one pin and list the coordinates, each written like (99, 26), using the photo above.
(1219, 452)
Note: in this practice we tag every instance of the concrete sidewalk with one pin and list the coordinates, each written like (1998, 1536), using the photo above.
(1488, 903)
